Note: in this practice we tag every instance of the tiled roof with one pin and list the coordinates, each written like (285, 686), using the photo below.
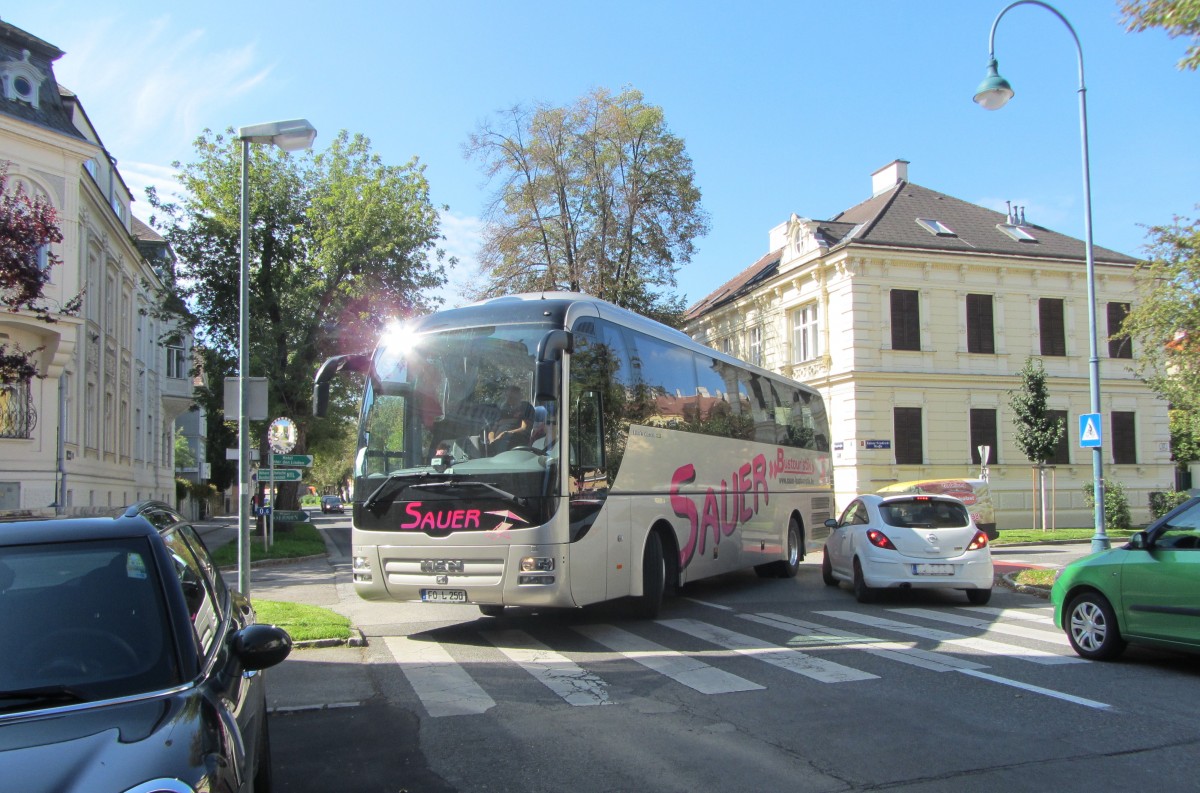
(50, 113)
(890, 220)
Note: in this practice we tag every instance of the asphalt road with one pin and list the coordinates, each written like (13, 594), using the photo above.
(742, 684)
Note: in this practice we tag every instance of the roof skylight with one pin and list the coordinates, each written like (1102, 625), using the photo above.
(936, 227)
(1018, 233)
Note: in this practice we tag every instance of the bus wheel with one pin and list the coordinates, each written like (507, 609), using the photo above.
(654, 579)
(784, 568)
(491, 610)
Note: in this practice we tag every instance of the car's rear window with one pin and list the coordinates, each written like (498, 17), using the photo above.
(89, 617)
(925, 513)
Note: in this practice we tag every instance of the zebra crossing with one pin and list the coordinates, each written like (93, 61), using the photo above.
(968, 641)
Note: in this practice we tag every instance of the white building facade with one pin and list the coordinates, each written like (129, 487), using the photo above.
(913, 313)
(96, 430)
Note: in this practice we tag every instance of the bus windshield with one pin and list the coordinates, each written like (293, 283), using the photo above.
(452, 414)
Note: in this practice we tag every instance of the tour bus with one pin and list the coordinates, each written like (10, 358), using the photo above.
(554, 450)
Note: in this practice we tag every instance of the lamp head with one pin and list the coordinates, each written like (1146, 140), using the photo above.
(994, 92)
(291, 135)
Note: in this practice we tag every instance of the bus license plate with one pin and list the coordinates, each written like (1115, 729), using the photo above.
(444, 595)
(933, 569)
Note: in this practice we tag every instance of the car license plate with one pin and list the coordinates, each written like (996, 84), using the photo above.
(444, 595)
(933, 569)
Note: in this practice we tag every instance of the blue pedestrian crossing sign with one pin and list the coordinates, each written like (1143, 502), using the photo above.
(1089, 430)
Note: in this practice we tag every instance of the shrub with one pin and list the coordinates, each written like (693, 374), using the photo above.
(1162, 503)
(1116, 504)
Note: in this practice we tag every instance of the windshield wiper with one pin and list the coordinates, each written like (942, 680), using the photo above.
(43, 695)
(392, 479)
(507, 497)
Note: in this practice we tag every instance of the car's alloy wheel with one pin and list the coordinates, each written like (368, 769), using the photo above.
(827, 570)
(862, 592)
(1092, 628)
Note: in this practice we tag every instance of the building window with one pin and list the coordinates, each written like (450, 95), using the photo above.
(1050, 323)
(1124, 439)
(983, 433)
(907, 432)
(980, 335)
(17, 415)
(1119, 345)
(754, 340)
(936, 227)
(906, 320)
(805, 339)
(176, 363)
(727, 345)
(1062, 452)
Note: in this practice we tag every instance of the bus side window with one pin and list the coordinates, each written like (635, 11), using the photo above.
(588, 439)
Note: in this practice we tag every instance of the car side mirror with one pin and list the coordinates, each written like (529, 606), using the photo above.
(261, 646)
(1140, 541)
(831, 523)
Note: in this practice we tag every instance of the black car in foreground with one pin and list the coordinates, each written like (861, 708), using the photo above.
(126, 663)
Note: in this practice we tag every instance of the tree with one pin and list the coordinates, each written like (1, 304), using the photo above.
(597, 197)
(340, 244)
(1165, 319)
(1038, 433)
(184, 456)
(1176, 17)
(28, 227)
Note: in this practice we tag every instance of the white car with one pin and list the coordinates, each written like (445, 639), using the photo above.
(908, 541)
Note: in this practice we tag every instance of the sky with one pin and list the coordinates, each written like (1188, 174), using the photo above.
(785, 107)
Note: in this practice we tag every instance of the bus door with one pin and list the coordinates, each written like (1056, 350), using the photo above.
(599, 531)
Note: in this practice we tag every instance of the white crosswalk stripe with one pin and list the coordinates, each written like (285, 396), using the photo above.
(691, 672)
(444, 687)
(989, 627)
(555, 671)
(782, 657)
(948, 639)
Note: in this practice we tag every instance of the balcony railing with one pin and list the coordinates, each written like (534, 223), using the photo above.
(17, 416)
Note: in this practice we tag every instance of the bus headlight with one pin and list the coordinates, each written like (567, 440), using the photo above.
(537, 564)
(362, 570)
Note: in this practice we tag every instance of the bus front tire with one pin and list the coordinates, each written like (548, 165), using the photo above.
(491, 610)
(654, 579)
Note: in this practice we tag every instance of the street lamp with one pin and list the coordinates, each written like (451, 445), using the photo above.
(993, 93)
(290, 136)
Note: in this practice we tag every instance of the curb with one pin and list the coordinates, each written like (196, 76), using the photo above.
(233, 568)
(1009, 581)
(356, 639)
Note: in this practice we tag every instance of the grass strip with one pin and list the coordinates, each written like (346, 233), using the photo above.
(1010, 536)
(302, 621)
(291, 542)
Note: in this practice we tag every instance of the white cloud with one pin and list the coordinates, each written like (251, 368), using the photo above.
(464, 234)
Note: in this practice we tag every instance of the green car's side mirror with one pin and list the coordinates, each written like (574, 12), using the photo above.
(1139, 541)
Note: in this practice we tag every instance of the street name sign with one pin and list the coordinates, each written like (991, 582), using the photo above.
(302, 460)
(280, 474)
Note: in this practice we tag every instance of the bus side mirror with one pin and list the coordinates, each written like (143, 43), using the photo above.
(547, 371)
(359, 362)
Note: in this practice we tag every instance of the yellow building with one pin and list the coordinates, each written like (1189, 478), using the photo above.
(96, 430)
(913, 313)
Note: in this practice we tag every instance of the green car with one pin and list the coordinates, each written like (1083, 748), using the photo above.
(1146, 592)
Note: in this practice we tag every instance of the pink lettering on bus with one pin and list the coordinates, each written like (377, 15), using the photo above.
(718, 515)
(439, 519)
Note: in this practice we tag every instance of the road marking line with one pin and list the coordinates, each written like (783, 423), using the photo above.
(1017, 615)
(988, 627)
(555, 671)
(814, 635)
(1089, 703)
(444, 687)
(953, 640)
(691, 672)
(782, 657)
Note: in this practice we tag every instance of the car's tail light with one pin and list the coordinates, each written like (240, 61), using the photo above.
(980, 541)
(879, 539)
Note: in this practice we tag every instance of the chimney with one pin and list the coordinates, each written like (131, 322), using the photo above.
(889, 176)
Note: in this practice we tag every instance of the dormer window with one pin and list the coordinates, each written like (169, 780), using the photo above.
(20, 80)
(936, 227)
(1018, 233)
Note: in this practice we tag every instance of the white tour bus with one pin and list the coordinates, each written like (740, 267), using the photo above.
(554, 450)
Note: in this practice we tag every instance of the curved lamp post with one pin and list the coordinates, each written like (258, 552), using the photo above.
(290, 136)
(993, 93)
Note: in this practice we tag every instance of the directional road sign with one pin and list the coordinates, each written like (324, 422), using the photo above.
(302, 460)
(1089, 430)
(280, 474)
